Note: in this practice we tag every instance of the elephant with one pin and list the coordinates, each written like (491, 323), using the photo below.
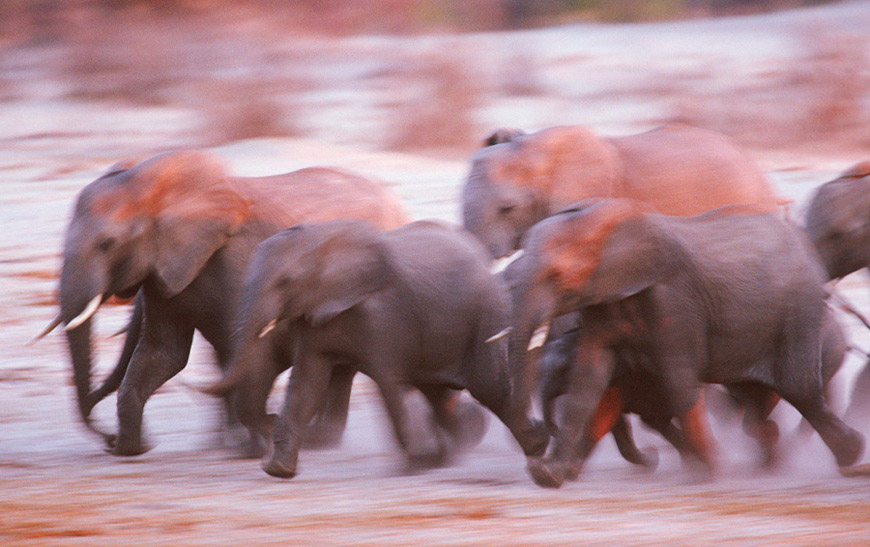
(519, 179)
(416, 306)
(838, 224)
(731, 297)
(177, 230)
(634, 390)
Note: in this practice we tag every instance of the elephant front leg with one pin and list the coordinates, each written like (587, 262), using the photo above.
(587, 382)
(309, 379)
(161, 354)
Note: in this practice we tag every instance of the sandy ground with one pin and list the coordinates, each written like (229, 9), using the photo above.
(57, 487)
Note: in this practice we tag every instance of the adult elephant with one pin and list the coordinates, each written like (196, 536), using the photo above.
(838, 223)
(731, 297)
(680, 170)
(412, 307)
(179, 229)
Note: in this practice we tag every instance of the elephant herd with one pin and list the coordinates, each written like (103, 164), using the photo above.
(642, 270)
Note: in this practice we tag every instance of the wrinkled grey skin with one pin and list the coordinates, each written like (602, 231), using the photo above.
(732, 299)
(838, 224)
(412, 307)
(177, 231)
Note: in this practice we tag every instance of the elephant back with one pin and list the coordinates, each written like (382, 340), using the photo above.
(686, 171)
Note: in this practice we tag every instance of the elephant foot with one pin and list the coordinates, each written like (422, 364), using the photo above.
(648, 459)
(473, 423)
(850, 448)
(572, 472)
(278, 469)
(698, 470)
(547, 474)
(129, 447)
(418, 463)
(537, 438)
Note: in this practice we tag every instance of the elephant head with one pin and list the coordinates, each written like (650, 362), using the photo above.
(519, 179)
(157, 222)
(307, 273)
(838, 221)
(593, 252)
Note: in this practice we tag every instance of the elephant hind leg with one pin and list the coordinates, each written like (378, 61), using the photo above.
(758, 402)
(845, 443)
(622, 434)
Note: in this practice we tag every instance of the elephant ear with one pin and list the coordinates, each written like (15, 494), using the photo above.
(348, 275)
(607, 251)
(195, 210)
(566, 164)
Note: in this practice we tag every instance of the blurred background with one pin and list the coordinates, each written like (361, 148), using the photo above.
(402, 90)
(429, 75)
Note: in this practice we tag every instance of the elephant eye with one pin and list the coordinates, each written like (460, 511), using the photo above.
(105, 244)
(506, 209)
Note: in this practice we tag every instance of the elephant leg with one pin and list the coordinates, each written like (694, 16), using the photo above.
(328, 426)
(759, 401)
(696, 428)
(671, 433)
(607, 414)
(845, 443)
(309, 380)
(587, 383)
(801, 385)
(134, 331)
(463, 420)
(393, 393)
(622, 434)
(859, 403)
(161, 354)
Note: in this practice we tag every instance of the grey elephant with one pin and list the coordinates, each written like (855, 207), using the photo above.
(677, 169)
(712, 303)
(838, 223)
(179, 229)
(414, 307)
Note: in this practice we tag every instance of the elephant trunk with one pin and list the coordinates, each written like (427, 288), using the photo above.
(533, 309)
(257, 321)
(81, 292)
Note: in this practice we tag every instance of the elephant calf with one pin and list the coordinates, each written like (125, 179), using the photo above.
(414, 307)
(730, 297)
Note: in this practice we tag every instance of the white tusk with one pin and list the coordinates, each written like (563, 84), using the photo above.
(270, 326)
(539, 337)
(51, 326)
(500, 264)
(121, 331)
(499, 335)
(85, 315)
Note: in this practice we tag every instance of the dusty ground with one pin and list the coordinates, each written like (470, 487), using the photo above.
(57, 487)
